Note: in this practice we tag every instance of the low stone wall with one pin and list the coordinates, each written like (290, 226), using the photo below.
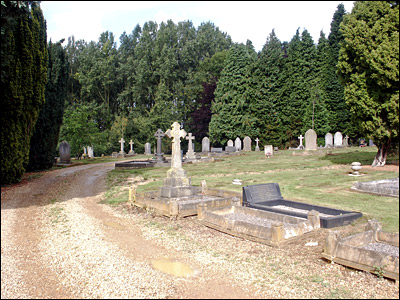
(372, 251)
(261, 226)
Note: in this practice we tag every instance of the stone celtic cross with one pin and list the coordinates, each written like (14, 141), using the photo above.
(176, 134)
(159, 134)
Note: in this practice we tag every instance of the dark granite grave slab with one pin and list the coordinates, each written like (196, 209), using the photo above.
(268, 197)
(135, 164)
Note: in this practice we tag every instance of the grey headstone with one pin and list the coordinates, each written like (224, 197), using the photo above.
(311, 139)
(238, 144)
(205, 144)
(147, 148)
(230, 149)
(338, 139)
(268, 150)
(247, 143)
(216, 150)
(328, 140)
(65, 153)
(230, 143)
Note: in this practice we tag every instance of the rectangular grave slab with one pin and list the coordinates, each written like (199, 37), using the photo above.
(258, 225)
(230, 149)
(366, 251)
(217, 150)
(135, 164)
(187, 205)
(268, 196)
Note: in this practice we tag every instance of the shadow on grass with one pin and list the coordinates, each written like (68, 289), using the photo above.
(346, 158)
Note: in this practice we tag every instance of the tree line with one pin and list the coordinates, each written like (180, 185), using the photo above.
(93, 93)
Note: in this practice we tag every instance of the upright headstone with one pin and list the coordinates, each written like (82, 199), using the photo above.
(176, 184)
(371, 143)
(230, 143)
(84, 151)
(238, 144)
(346, 141)
(268, 150)
(131, 151)
(338, 139)
(257, 147)
(65, 153)
(90, 151)
(122, 141)
(205, 144)
(247, 143)
(147, 148)
(311, 139)
(328, 140)
(159, 135)
(301, 142)
(190, 154)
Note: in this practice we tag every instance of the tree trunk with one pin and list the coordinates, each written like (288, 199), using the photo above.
(380, 158)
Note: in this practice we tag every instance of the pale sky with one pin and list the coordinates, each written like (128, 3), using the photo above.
(242, 20)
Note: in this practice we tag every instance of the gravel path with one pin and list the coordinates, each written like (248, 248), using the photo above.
(59, 241)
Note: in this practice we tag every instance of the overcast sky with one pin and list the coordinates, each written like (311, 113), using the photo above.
(241, 20)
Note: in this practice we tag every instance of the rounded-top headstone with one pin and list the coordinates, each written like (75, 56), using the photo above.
(65, 153)
(311, 139)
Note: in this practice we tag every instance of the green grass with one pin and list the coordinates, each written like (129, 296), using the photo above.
(319, 179)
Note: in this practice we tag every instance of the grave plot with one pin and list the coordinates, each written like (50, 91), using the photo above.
(373, 251)
(268, 197)
(135, 164)
(185, 205)
(385, 187)
(266, 227)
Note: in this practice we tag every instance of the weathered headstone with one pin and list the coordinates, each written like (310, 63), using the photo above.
(301, 142)
(122, 141)
(346, 141)
(328, 140)
(230, 143)
(238, 144)
(65, 153)
(90, 151)
(84, 151)
(338, 139)
(371, 143)
(190, 154)
(147, 148)
(159, 135)
(247, 143)
(176, 184)
(131, 151)
(268, 151)
(230, 149)
(205, 144)
(257, 147)
(311, 139)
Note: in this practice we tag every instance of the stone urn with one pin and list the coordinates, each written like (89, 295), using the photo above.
(356, 166)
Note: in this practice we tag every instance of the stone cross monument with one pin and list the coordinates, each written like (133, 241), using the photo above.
(131, 144)
(176, 184)
(190, 154)
(122, 141)
(301, 142)
(257, 147)
(159, 135)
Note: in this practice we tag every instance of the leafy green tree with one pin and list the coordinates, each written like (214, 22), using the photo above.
(23, 80)
(79, 128)
(43, 143)
(369, 69)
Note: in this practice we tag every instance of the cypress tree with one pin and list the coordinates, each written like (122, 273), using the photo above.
(44, 140)
(231, 114)
(22, 88)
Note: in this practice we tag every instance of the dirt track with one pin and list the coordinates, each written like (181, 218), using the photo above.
(59, 241)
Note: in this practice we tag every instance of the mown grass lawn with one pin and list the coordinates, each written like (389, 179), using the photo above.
(320, 178)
